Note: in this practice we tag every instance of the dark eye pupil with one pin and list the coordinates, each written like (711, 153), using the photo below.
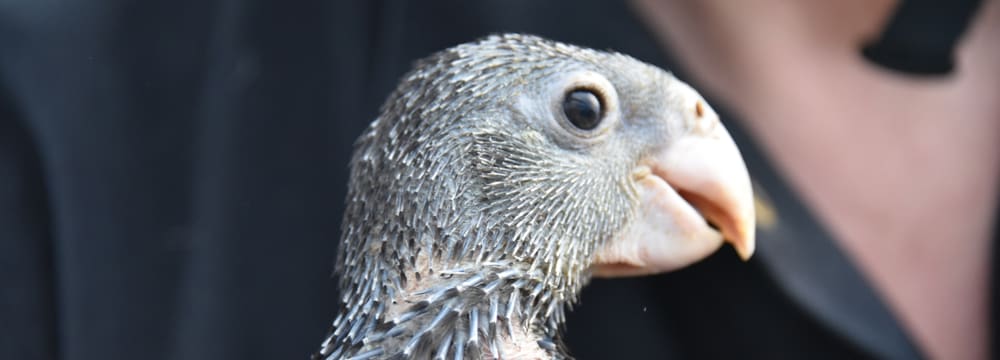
(583, 109)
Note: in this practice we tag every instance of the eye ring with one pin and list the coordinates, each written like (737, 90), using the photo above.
(584, 108)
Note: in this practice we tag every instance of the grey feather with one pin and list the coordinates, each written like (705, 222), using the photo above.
(467, 221)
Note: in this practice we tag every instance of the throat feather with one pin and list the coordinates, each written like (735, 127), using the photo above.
(493, 310)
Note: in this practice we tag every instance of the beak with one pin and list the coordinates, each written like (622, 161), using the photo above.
(694, 195)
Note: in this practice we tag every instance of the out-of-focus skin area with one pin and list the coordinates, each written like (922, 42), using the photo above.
(903, 170)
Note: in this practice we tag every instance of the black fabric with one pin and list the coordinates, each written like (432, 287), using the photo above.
(172, 178)
(173, 174)
(921, 36)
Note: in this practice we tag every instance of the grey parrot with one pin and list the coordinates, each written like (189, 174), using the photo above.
(501, 175)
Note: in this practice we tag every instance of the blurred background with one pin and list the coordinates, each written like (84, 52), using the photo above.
(172, 173)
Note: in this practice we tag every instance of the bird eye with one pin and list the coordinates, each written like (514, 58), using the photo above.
(583, 109)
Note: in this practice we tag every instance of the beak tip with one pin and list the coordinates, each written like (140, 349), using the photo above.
(743, 242)
(745, 252)
(745, 248)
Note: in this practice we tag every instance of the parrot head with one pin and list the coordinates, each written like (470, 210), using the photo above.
(503, 174)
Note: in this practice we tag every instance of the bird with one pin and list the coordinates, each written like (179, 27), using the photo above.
(501, 175)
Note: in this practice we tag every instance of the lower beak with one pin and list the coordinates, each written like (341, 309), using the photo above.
(694, 195)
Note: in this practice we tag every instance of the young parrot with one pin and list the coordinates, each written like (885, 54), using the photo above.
(502, 175)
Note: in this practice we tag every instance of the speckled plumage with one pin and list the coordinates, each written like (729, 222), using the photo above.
(469, 223)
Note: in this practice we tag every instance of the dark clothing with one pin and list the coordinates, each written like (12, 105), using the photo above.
(172, 177)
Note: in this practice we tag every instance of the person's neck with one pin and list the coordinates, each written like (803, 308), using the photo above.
(722, 42)
(889, 164)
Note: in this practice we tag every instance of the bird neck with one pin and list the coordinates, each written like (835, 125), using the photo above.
(489, 310)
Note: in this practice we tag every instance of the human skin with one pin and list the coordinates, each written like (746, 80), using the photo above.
(902, 170)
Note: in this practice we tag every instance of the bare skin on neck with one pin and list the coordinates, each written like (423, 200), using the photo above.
(520, 344)
(904, 171)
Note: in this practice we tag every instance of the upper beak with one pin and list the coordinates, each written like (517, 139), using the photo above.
(694, 195)
(706, 169)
